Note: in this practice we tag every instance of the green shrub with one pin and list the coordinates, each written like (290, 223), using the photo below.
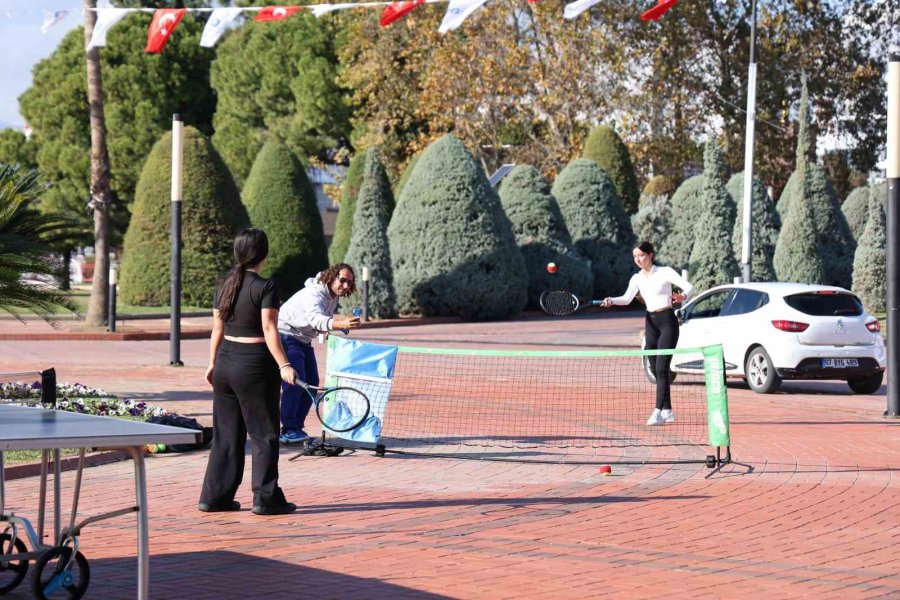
(212, 214)
(870, 262)
(401, 183)
(605, 147)
(452, 247)
(596, 220)
(765, 226)
(369, 245)
(686, 207)
(343, 226)
(652, 221)
(542, 236)
(856, 211)
(712, 258)
(660, 185)
(797, 255)
(280, 200)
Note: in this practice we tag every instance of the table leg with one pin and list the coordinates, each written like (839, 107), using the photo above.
(143, 529)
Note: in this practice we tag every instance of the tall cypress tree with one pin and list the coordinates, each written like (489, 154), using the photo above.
(369, 247)
(605, 147)
(675, 249)
(343, 226)
(597, 222)
(797, 255)
(452, 246)
(856, 211)
(280, 200)
(542, 236)
(712, 258)
(765, 227)
(212, 214)
(870, 263)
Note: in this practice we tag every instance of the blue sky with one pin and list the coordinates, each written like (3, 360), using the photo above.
(22, 45)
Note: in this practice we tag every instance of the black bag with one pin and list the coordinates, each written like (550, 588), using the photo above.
(186, 423)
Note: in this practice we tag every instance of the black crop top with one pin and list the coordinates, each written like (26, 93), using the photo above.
(255, 294)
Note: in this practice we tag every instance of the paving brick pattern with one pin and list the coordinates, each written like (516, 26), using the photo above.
(808, 510)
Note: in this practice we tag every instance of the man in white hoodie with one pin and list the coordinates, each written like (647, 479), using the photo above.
(301, 319)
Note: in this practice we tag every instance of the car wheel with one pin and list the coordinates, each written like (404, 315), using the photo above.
(866, 385)
(651, 376)
(761, 375)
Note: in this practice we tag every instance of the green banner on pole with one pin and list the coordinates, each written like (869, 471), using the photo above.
(716, 396)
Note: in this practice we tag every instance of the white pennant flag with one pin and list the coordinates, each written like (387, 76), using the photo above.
(321, 9)
(106, 18)
(457, 12)
(574, 9)
(51, 18)
(217, 24)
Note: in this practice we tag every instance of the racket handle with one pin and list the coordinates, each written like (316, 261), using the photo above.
(301, 383)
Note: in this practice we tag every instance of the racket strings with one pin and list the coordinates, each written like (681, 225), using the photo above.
(343, 409)
(559, 303)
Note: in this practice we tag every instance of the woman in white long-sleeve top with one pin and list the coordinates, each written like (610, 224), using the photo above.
(661, 327)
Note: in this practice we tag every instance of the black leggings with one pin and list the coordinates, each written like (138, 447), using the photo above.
(661, 333)
(246, 387)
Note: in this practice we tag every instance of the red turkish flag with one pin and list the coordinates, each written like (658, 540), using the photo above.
(276, 13)
(164, 22)
(659, 10)
(396, 10)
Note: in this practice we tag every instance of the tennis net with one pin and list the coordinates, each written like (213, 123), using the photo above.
(553, 406)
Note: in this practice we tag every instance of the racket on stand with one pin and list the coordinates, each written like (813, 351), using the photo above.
(560, 303)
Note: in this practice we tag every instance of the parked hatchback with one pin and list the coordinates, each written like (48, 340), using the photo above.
(776, 331)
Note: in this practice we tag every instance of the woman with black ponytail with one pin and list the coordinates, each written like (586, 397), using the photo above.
(246, 366)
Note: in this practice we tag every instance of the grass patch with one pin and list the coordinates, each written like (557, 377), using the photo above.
(81, 297)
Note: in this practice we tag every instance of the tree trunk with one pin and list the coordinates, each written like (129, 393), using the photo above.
(100, 193)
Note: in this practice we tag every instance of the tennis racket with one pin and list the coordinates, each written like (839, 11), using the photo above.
(339, 409)
(560, 303)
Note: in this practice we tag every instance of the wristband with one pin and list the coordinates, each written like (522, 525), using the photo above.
(287, 364)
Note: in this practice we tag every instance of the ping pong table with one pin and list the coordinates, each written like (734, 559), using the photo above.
(28, 428)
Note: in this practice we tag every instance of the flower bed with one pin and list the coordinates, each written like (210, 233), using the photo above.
(79, 398)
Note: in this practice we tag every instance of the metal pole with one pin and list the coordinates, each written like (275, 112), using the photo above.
(175, 288)
(365, 294)
(747, 207)
(113, 280)
(893, 234)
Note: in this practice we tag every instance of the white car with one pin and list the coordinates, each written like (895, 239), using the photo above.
(776, 331)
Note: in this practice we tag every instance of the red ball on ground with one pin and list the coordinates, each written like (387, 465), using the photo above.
(606, 470)
(551, 267)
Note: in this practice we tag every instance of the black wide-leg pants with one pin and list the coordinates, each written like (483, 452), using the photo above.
(661, 333)
(246, 388)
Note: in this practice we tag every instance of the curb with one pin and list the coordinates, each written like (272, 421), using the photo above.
(133, 336)
(66, 464)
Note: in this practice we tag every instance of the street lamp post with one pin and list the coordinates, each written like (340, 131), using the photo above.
(747, 206)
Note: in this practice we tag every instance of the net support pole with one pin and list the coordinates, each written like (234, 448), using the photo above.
(113, 281)
(365, 293)
(893, 234)
(747, 206)
(175, 287)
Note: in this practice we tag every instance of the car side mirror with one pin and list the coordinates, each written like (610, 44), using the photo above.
(681, 315)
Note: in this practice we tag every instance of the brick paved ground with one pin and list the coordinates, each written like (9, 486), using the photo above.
(809, 510)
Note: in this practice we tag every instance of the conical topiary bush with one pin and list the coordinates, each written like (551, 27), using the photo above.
(712, 258)
(343, 226)
(280, 200)
(797, 256)
(764, 228)
(596, 220)
(542, 236)
(856, 211)
(452, 247)
(605, 147)
(870, 263)
(686, 207)
(369, 246)
(212, 214)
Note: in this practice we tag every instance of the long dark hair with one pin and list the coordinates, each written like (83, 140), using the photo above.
(251, 246)
(647, 248)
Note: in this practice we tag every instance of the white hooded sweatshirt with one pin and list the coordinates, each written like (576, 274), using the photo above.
(308, 312)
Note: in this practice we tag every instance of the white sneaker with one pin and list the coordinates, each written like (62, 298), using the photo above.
(667, 415)
(655, 418)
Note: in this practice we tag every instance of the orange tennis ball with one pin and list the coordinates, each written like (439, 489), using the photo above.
(551, 267)
(606, 470)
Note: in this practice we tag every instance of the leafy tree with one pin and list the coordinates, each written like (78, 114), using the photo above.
(660, 185)
(212, 214)
(343, 227)
(452, 247)
(686, 206)
(369, 246)
(26, 239)
(653, 220)
(797, 255)
(141, 93)
(605, 147)
(837, 245)
(542, 236)
(15, 149)
(280, 200)
(712, 257)
(765, 226)
(856, 211)
(870, 262)
(600, 229)
(277, 80)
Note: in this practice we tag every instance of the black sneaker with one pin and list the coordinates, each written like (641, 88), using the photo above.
(230, 507)
(279, 509)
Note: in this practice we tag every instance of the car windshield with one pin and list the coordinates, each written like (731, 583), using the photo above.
(826, 305)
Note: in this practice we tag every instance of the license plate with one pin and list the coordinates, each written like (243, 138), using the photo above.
(839, 363)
